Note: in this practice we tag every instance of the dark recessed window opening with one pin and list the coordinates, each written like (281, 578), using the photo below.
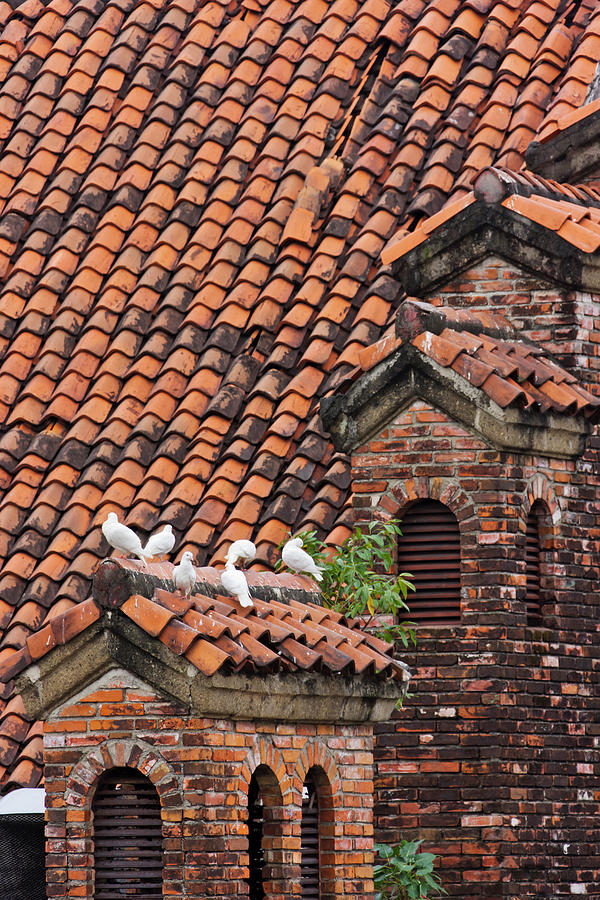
(429, 548)
(127, 837)
(265, 831)
(22, 856)
(534, 563)
(256, 856)
(309, 865)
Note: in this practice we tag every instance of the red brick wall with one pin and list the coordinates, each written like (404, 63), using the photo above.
(201, 769)
(567, 323)
(494, 760)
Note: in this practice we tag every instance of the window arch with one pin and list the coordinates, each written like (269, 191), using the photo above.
(536, 529)
(264, 833)
(429, 548)
(127, 836)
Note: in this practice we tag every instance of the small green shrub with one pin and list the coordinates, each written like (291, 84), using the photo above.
(406, 873)
(357, 580)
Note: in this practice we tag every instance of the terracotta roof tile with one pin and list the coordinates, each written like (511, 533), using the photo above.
(225, 188)
(509, 370)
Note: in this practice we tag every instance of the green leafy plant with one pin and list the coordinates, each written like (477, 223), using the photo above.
(406, 873)
(357, 580)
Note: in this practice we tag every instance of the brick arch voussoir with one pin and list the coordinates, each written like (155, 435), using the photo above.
(447, 492)
(135, 754)
(315, 755)
(264, 753)
(540, 488)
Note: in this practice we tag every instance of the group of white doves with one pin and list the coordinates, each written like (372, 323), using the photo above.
(233, 580)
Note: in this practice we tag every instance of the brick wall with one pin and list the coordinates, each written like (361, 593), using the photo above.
(494, 760)
(566, 323)
(201, 769)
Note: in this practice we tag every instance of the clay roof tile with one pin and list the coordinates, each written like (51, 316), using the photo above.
(190, 156)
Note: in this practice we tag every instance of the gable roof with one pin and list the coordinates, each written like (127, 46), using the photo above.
(569, 149)
(194, 197)
(156, 634)
(476, 368)
(548, 229)
(212, 631)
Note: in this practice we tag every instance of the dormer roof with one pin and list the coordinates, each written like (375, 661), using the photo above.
(549, 230)
(475, 368)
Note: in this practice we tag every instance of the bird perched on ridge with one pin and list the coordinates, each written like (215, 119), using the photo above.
(235, 583)
(298, 560)
(161, 543)
(122, 538)
(184, 575)
(241, 550)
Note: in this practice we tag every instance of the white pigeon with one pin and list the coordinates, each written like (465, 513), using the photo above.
(241, 550)
(298, 560)
(235, 583)
(161, 543)
(122, 538)
(184, 575)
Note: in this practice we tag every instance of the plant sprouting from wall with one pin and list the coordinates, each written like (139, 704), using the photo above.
(406, 873)
(357, 579)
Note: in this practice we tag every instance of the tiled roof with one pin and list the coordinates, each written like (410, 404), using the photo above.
(576, 224)
(512, 372)
(574, 116)
(193, 200)
(214, 633)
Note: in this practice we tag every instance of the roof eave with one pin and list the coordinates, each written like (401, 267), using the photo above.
(488, 228)
(114, 642)
(381, 394)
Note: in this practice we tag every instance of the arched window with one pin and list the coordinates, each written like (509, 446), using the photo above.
(318, 872)
(430, 549)
(127, 837)
(534, 561)
(256, 856)
(309, 842)
(264, 834)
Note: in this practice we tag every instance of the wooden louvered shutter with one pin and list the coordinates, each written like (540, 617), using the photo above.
(430, 549)
(309, 866)
(532, 565)
(127, 837)
(256, 860)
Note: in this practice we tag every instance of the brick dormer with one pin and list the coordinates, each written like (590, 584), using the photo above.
(203, 725)
(485, 448)
(519, 245)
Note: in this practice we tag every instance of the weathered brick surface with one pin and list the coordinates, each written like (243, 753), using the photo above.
(566, 323)
(494, 760)
(201, 769)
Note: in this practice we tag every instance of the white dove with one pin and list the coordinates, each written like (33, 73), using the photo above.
(184, 575)
(161, 543)
(298, 560)
(244, 550)
(122, 538)
(235, 583)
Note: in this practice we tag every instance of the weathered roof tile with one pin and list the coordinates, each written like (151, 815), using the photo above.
(251, 192)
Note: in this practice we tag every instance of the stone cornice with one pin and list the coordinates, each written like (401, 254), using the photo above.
(378, 396)
(116, 642)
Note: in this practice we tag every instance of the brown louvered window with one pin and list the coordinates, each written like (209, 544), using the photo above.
(309, 861)
(127, 837)
(533, 564)
(430, 549)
